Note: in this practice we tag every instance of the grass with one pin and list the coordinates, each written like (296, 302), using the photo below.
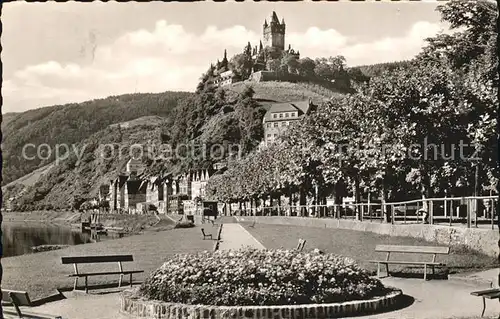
(361, 247)
(42, 273)
(285, 91)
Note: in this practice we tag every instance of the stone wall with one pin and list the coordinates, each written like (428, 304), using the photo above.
(155, 309)
(479, 239)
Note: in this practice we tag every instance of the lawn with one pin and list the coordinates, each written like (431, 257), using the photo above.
(361, 246)
(41, 273)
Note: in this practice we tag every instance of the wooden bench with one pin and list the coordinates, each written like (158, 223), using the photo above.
(205, 236)
(99, 259)
(301, 244)
(425, 250)
(492, 293)
(16, 299)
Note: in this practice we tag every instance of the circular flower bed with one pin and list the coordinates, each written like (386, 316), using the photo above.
(260, 277)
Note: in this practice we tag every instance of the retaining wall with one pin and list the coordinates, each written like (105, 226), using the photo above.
(482, 240)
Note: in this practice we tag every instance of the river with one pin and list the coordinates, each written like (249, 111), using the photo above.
(18, 238)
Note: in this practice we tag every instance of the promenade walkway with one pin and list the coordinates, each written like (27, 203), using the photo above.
(440, 299)
(81, 306)
(436, 299)
(234, 237)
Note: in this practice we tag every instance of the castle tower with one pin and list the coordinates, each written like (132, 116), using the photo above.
(274, 33)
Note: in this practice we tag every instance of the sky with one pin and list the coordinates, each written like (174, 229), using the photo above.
(57, 53)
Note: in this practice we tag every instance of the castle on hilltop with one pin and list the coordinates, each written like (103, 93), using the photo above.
(274, 32)
(267, 56)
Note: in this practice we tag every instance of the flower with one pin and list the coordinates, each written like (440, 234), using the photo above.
(259, 277)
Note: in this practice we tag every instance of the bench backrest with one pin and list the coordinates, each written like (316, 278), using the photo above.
(203, 232)
(19, 298)
(96, 259)
(301, 244)
(413, 249)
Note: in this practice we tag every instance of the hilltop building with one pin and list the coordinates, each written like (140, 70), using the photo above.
(271, 47)
(281, 115)
(274, 32)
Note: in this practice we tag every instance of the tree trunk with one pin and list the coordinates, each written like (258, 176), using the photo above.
(383, 197)
(264, 211)
(279, 204)
(290, 201)
(425, 192)
(302, 201)
(357, 198)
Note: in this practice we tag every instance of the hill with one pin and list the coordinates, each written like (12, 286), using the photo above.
(269, 92)
(225, 115)
(7, 117)
(72, 123)
(31, 178)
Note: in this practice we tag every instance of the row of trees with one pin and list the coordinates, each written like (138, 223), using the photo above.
(428, 129)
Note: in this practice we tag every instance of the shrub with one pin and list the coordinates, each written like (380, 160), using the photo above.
(260, 277)
(184, 224)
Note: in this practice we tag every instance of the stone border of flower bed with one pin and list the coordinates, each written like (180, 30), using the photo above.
(152, 309)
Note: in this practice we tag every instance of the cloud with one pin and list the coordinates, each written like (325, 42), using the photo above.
(171, 58)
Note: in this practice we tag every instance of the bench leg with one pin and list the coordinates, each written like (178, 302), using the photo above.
(120, 282)
(425, 271)
(130, 280)
(86, 284)
(18, 310)
(387, 269)
(378, 270)
(15, 303)
(433, 271)
(484, 307)
(75, 284)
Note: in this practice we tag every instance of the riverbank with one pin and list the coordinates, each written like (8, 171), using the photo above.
(65, 217)
(127, 224)
(42, 273)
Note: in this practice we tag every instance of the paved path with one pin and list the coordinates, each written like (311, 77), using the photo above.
(439, 299)
(432, 299)
(234, 236)
(81, 306)
(482, 277)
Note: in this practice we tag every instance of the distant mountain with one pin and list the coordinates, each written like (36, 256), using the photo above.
(7, 117)
(72, 123)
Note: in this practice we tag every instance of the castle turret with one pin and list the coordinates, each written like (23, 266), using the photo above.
(274, 33)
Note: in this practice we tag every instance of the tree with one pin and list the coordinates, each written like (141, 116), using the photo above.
(273, 65)
(306, 67)
(290, 63)
(330, 68)
(241, 65)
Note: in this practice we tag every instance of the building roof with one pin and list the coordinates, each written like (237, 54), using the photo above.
(302, 107)
(121, 180)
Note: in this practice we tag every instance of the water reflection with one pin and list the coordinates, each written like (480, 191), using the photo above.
(19, 238)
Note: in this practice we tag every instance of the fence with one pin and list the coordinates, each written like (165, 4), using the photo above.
(472, 211)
